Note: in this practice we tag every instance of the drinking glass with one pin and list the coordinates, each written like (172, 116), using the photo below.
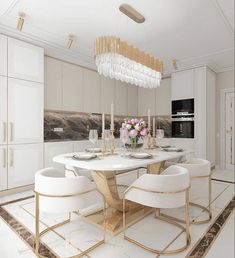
(107, 136)
(124, 136)
(93, 137)
(160, 135)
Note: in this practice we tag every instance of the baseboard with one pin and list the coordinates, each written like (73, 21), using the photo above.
(17, 190)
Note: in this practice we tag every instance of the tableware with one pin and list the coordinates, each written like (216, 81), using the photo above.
(84, 156)
(141, 155)
(173, 149)
(94, 150)
(93, 137)
(159, 135)
(124, 136)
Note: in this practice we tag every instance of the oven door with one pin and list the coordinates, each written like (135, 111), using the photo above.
(183, 129)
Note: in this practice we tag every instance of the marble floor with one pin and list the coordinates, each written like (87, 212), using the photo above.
(212, 239)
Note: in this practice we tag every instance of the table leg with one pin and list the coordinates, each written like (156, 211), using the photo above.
(156, 168)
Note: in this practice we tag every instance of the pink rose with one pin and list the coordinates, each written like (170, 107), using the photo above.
(143, 132)
(132, 121)
(133, 133)
(136, 120)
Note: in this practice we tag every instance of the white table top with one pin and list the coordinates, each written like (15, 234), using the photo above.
(117, 162)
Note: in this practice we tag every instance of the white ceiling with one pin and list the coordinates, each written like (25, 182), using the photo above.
(195, 32)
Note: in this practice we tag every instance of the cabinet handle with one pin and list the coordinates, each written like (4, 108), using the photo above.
(11, 132)
(11, 156)
(4, 131)
(4, 157)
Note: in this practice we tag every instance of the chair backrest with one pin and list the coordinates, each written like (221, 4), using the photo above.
(161, 191)
(50, 182)
(197, 167)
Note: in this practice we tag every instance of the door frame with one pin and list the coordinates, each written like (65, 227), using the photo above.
(223, 93)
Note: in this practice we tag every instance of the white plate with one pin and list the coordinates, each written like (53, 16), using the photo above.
(173, 149)
(96, 150)
(84, 156)
(141, 155)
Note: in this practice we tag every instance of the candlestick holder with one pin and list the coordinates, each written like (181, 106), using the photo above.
(103, 144)
(149, 140)
(112, 141)
(153, 144)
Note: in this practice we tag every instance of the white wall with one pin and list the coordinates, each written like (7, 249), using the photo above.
(224, 80)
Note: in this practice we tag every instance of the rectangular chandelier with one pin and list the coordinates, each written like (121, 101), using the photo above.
(118, 59)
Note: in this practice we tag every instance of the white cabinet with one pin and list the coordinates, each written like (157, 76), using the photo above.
(132, 100)
(120, 98)
(25, 111)
(72, 87)
(3, 55)
(23, 162)
(91, 89)
(3, 110)
(52, 149)
(3, 167)
(107, 94)
(182, 85)
(146, 100)
(53, 84)
(25, 61)
(163, 98)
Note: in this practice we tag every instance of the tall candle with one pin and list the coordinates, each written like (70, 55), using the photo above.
(149, 123)
(154, 131)
(103, 123)
(112, 117)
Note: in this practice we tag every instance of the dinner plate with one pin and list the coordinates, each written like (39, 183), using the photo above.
(141, 155)
(84, 156)
(172, 149)
(96, 150)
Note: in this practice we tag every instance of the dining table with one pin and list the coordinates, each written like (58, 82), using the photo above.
(105, 168)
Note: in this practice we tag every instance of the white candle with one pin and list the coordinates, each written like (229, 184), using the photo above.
(112, 117)
(154, 127)
(103, 123)
(149, 123)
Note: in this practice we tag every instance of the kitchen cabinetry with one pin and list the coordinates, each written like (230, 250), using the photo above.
(25, 111)
(132, 100)
(72, 87)
(3, 110)
(163, 98)
(182, 85)
(3, 55)
(146, 100)
(21, 115)
(120, 98)
(25, 61)
(3, 167)
(107, 94)
(91, 89)
(23, 161)
(53, 84)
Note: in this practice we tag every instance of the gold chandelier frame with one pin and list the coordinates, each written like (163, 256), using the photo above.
(110, 44)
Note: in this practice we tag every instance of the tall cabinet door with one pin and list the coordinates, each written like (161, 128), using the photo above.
(25, 112)
(25, 61)
(3, 55)
(3, 167)
(23, 162)
(3, 110)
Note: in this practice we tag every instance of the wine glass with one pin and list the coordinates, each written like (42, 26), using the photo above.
(93, 137)
(160, 135)
(107, 135)
(124, 136)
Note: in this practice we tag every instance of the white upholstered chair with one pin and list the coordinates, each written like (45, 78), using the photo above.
(200, 177)
(170, 190)
(55, 193)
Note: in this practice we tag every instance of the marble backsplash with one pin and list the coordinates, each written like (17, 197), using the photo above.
(65, 126)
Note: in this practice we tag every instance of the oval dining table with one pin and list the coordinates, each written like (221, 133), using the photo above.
(105, 168)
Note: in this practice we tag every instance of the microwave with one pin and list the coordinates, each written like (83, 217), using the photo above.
(182, 107)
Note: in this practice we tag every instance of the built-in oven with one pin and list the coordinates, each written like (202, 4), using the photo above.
(182, 107)
(183, 127)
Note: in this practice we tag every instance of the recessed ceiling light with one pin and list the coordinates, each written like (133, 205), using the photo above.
(131, 13)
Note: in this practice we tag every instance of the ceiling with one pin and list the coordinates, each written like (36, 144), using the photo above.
(194, 32)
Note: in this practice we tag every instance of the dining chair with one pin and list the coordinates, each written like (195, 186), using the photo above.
(200, 177)
(170, 190)
(55, 193)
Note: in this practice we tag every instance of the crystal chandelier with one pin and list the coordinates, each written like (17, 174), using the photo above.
(118, 59)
